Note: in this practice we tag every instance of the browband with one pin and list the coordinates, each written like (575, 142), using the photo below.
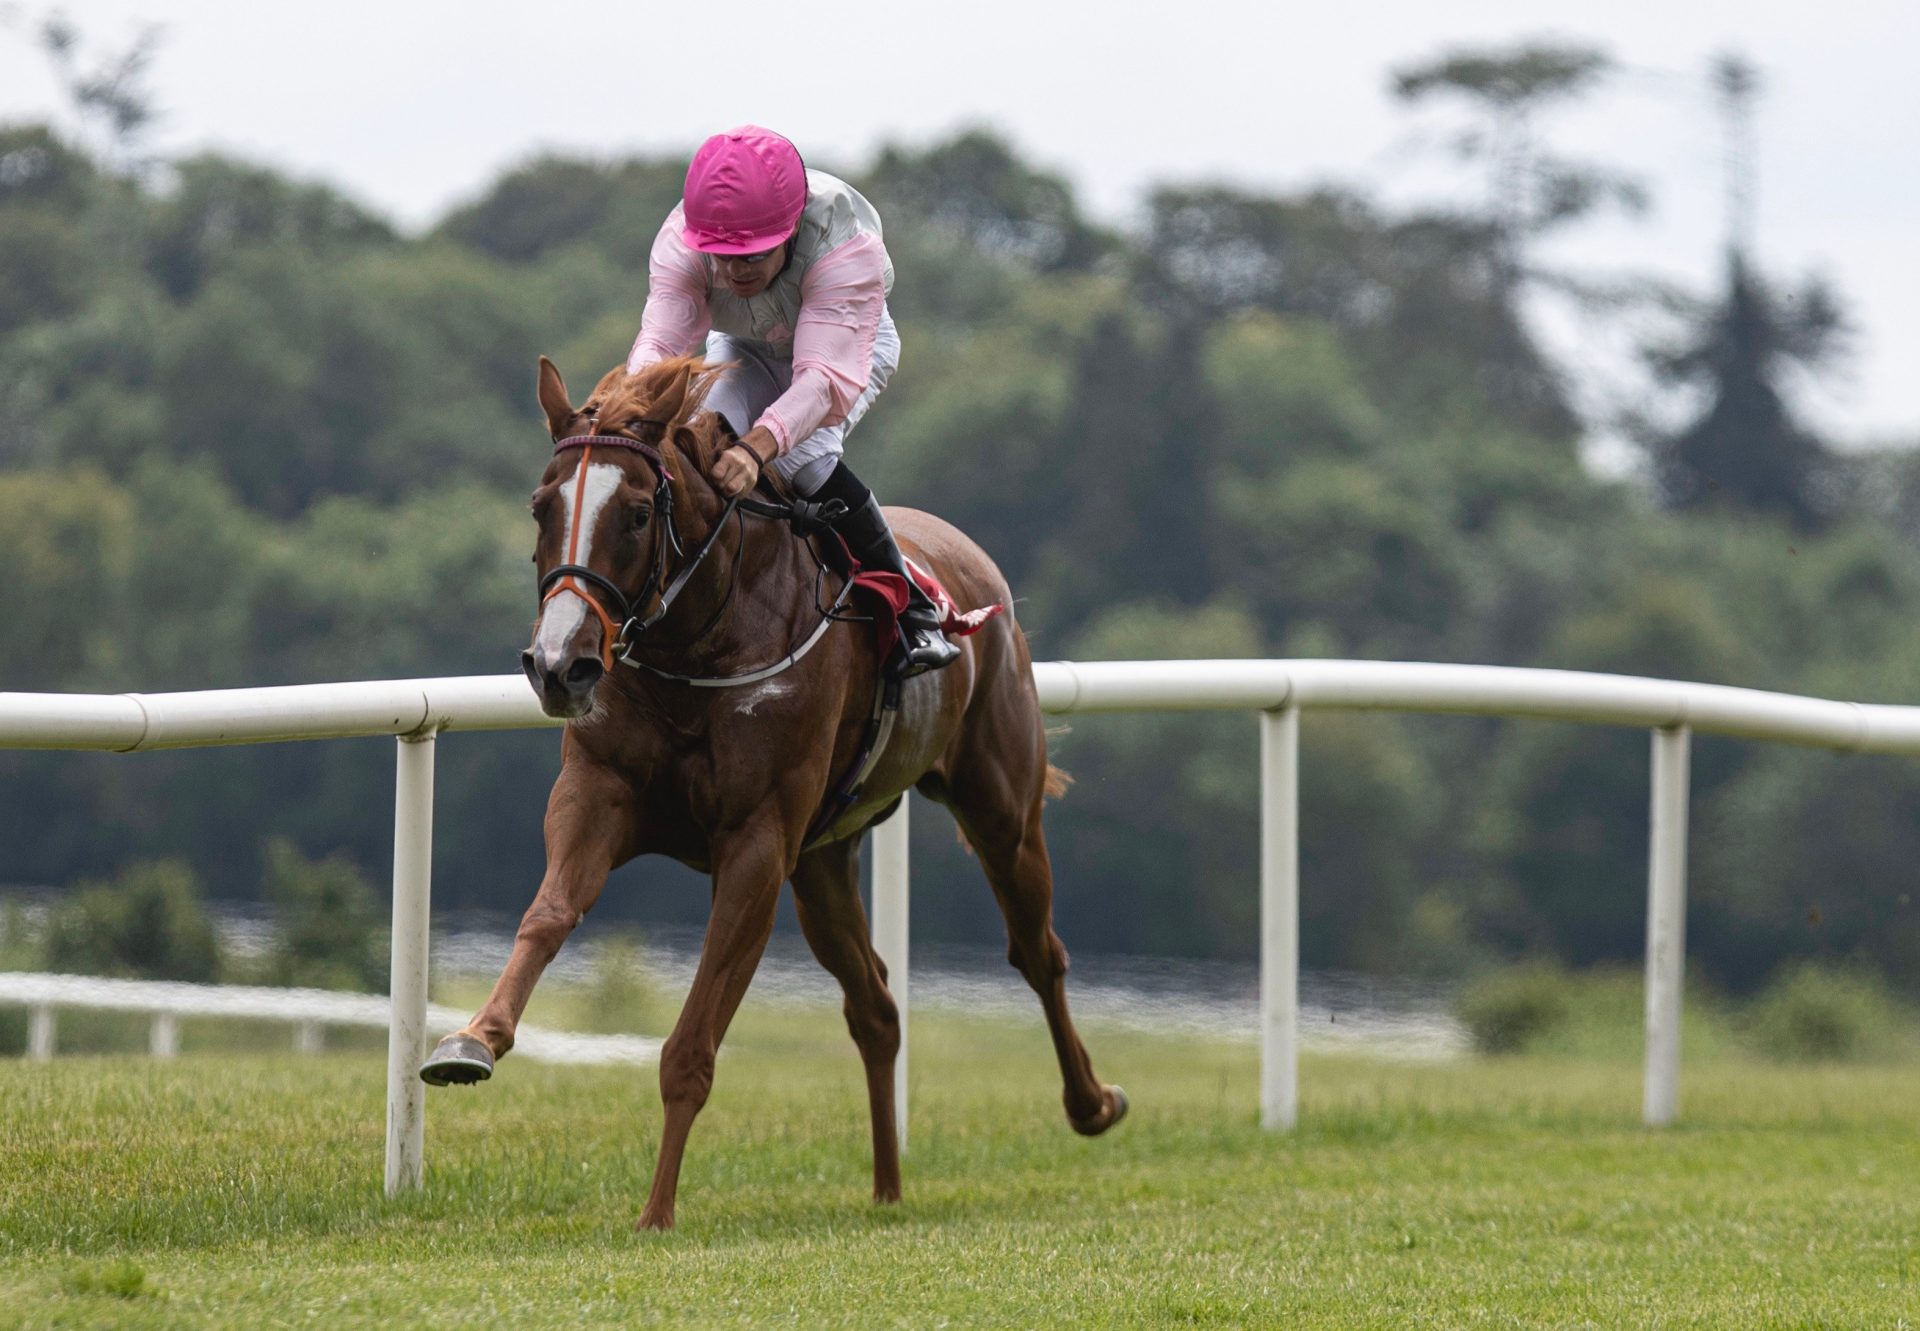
(645, 448)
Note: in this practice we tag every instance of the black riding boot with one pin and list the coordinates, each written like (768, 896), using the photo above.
(871, 541)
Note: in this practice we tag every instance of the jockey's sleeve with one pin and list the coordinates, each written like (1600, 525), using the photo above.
(842, 299)
(676, 319)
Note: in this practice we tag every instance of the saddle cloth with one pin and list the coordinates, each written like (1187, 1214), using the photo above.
(887, 593)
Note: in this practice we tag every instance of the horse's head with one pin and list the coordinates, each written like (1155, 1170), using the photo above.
(618, 507)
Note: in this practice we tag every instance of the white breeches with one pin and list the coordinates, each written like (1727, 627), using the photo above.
(757, 379)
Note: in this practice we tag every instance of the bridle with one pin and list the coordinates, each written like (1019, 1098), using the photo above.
(620, 634)
(620, 619)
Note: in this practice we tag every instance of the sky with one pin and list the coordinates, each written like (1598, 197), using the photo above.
(412, 106)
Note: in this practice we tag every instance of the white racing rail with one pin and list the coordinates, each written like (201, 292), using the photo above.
(310, 1010)
(417, 711)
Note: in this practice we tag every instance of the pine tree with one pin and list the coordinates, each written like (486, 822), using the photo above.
(1746, 450)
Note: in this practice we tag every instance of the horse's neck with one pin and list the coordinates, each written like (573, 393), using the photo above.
(755, 590)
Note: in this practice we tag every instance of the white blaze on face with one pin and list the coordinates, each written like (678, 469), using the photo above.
(562, 616)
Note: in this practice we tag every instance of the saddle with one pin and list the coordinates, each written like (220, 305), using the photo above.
(884, 593)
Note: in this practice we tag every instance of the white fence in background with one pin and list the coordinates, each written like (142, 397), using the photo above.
(417, 711)
(310, 1011)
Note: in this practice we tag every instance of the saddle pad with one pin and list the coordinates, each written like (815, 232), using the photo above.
(889, 593)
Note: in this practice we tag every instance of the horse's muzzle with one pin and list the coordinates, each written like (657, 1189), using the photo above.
(564, 686)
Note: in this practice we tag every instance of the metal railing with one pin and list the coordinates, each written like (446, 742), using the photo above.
(417, 711)
(311, 1012)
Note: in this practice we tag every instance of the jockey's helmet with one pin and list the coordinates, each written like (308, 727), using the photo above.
(745, 192)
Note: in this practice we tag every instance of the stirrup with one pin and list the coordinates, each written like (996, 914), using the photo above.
(923, 650)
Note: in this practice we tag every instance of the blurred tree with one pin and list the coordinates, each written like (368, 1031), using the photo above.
(147, 923)
(1417, 300)
(326, 921)
(1131, 449)
(555, 202)
(218, 207)
(110, 92)
(1162, 813)
(40, 171)
(1565, 831)
(70, 549)
(1808, 855)
(1746, 450)
(47, 269)
(1529, 191)
(973, 189)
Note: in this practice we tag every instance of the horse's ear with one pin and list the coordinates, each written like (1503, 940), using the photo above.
(667, 404)
(553, 398)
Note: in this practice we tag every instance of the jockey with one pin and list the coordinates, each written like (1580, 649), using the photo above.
(782, 271)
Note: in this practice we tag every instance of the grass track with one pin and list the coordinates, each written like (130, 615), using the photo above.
(243, 1191)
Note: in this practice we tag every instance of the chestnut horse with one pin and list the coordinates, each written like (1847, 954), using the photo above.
(651, 581)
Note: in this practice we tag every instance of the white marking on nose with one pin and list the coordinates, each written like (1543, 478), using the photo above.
(562, 616)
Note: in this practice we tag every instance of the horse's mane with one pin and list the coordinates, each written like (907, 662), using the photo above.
(694, 432)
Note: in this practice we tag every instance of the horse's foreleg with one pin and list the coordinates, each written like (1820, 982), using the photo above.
(747, 875)
(586, 829)
(826, 894)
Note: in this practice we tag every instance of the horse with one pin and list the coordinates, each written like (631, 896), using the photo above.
(714, 702)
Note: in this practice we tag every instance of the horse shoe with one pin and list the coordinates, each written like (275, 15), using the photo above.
(458, 1060)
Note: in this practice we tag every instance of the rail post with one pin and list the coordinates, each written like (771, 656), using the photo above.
(163, 1036)
(890, 939)
(1666, 923)
(1279, 918)
(40, 1032)
(407, 1023)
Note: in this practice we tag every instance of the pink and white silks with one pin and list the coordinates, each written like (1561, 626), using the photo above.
(811, 352)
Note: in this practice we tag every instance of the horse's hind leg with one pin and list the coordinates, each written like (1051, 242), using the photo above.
(826, 892)
(996, 785)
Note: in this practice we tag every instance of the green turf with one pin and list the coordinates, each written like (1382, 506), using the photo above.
(244, 1191)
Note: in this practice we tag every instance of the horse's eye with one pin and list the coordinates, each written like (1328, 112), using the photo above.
(642, 516)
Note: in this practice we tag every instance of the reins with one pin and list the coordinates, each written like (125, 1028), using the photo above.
(619, 642)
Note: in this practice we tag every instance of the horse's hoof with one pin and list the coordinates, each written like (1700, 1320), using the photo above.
(651, 1223)
(458, 1060)
(1111, 1113)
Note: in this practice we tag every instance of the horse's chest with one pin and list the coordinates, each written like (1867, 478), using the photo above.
(765, 699)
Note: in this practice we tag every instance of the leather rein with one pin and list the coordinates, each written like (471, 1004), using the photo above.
(621, 629)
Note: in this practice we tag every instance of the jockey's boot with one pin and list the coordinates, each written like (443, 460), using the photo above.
(923, 646)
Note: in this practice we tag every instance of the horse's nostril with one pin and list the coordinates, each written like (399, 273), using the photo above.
(583, 671)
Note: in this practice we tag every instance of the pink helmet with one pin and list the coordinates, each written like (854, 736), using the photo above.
(745, 192)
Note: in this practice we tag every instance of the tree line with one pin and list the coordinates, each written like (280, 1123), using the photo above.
(252, 433)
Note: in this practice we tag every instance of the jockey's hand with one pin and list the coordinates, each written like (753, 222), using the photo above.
(739, 467)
